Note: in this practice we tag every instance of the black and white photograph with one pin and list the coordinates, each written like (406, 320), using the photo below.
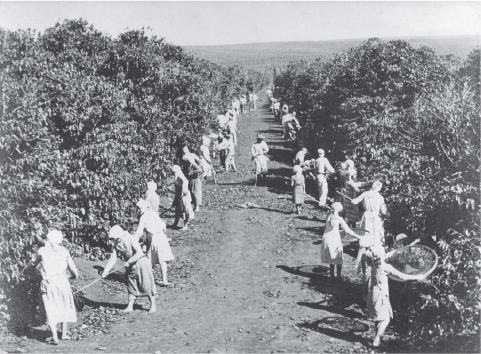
(240, 177)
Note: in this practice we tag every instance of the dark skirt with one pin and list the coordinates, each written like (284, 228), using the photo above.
(140, 278)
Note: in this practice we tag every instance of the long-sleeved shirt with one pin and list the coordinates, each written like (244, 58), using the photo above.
(323, 164)
(259, 149)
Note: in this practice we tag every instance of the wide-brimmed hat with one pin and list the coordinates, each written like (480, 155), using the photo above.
(260, 136)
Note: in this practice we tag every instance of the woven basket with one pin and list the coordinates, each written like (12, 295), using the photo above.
(413, 260)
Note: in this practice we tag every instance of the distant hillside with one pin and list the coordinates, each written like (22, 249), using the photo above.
(278, 54)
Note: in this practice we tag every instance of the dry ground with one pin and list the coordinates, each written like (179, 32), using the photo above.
(245, 279)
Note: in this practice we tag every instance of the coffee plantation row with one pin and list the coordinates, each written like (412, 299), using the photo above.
(86, 121)
(409, 118)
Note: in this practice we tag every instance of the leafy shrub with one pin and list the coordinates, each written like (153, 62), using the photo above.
(87, 120)
(410, 119)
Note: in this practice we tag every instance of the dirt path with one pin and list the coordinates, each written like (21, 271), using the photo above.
(245, 280)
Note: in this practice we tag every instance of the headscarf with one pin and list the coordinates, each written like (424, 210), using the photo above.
(376, 186)
(336, 207)
(177, 170)
(205, 140)
(152, 186)
(321, 151)
(55, 237)
(349, 164)
(117, 232)
(378, 253)
(142, 203)
(297, 169)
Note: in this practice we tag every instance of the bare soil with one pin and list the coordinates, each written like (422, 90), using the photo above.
(244, 279)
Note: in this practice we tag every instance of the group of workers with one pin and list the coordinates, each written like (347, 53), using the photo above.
(289, 121)
(371, 259)
(149, 245)
(141, 252)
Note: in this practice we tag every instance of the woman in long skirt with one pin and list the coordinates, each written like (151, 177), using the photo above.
(331, 247)
(56, 292)
(299, 188)
(152, 197)
(182, 199)
(374, 207)
(207, 167)
(192, 168)
(378, 304)
(158, 248)
(140, 278)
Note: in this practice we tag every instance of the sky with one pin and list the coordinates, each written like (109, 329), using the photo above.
(228, 22)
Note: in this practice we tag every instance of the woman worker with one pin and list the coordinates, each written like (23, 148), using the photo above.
(158, 248)
(140, 279)
(56, 292)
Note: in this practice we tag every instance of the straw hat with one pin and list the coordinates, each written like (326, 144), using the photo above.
(260, 136)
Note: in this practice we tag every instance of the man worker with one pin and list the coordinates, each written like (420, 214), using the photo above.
(322, 167)
(243, 102)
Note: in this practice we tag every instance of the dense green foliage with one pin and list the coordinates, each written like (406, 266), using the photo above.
(86, 120)
(411, 119)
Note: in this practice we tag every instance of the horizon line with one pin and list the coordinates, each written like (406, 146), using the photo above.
(337, 40)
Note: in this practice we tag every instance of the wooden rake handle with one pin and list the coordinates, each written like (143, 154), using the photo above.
(96, 280)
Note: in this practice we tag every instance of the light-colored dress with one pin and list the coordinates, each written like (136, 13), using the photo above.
(182, 199)
(378, 304)
(140, 278)
(298, 189)
(350, 188)
(157, 244)
(331, 247)
(206, 161)
(258, 151)
(153, 199)
(55, 288)
(371, 221)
